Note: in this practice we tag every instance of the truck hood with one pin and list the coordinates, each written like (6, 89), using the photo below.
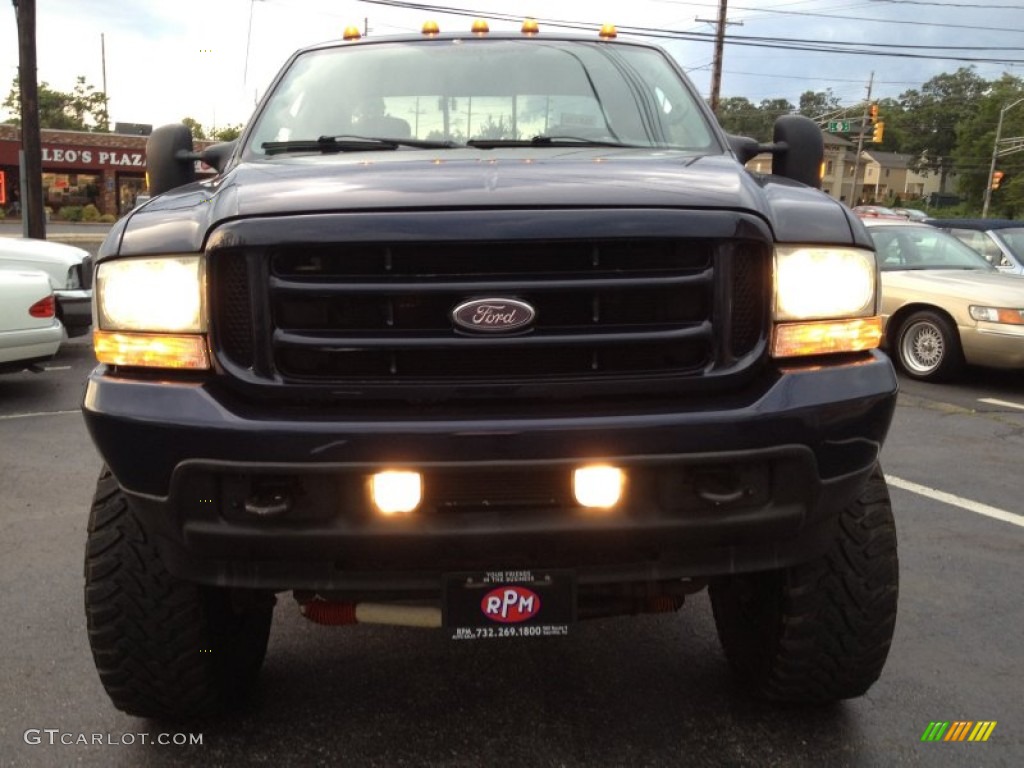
(472, 178)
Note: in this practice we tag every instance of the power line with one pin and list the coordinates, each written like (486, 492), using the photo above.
(972, 6)
(791, 44)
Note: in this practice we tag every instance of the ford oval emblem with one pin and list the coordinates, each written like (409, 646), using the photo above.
(493, 315)
(510, 604)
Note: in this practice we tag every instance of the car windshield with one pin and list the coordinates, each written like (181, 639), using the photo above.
(902, 248)
(486, 92)
(1014, 238)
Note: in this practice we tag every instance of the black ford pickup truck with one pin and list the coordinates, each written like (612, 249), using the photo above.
(491, 333)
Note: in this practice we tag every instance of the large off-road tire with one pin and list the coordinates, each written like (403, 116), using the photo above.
(820, 631)
(164, 647)
(928, 347)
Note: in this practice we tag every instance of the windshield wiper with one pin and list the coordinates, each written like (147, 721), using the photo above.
(546, 141)
(348, 143)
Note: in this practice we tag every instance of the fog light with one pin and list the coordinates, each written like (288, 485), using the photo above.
(598, 486)
(395, 492)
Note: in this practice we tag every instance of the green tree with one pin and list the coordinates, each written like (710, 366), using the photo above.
(819, 104)
(741, 117)
(976, 136)
(83, 109)
(228, 132)
(932, 115)
(198, 132)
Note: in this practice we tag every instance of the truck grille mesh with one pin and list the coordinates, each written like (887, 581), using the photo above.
(381, 314)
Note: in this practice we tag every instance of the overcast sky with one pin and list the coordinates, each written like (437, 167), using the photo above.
(167, 59)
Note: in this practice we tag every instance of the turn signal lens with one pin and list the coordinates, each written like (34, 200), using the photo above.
(396, 491)
(998, 315)
(598, 486)
(826, 337)
(152, 350)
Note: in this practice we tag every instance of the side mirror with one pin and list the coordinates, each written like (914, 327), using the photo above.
(798, 150)
(218, 155)
(170, 159)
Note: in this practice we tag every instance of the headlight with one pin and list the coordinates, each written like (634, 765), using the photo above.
(998, 315)
(825, 301)
(818, 282)
(152, 312)
(164, 295)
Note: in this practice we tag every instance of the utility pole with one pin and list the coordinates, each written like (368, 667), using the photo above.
(995, 154)
(33, 222)
(716, 67)
(860, 141)
(103, 61)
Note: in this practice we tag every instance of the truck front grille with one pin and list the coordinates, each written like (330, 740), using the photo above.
(380, 314)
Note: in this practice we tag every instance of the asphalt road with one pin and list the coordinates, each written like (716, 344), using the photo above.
(652, 691)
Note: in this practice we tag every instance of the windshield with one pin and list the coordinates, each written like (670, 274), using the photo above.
(488, 90)
(924, 247)
(1014, 238)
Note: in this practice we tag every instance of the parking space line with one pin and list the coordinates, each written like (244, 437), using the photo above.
(56, 367)
(9, 416)
(1004, 403)
(957, 501)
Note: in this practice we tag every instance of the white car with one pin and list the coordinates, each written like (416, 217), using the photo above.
(70, 272)
(30, 332)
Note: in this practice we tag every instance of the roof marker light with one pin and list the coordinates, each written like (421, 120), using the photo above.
(530, 27)
(480, 27)
(430, 28)
(608, 32)
(352, 33)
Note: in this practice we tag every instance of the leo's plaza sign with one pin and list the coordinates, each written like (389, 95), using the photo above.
(108, 157)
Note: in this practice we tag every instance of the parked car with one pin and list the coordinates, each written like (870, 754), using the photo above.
(1000, 241)
(911, 213)
(865, 211)
(30, 332)
(944, 305)
(70, 272)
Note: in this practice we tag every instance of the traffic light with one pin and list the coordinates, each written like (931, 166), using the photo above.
(997, 177)
(876, 135)
(874, 113)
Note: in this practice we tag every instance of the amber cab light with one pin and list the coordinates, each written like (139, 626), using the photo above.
(530, 27)
(352, 33)
(608, 32)
(430, 28)
(480, 27)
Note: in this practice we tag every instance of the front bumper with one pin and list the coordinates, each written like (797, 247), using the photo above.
(732, 484)
(994, 345)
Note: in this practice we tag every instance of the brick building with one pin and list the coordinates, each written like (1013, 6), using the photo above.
(79, 167)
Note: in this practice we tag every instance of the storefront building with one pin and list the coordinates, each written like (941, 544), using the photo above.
(107, 170)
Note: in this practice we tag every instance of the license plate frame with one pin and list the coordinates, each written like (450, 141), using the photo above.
(505, 604)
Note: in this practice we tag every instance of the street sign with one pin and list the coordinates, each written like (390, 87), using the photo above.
(839, 126)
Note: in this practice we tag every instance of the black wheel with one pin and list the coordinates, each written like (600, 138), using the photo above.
(820, 631)
(164, 648)
(928, 347)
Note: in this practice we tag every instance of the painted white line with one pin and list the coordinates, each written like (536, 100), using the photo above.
(56, 367)
(957, 501)
(9, 416)
(1003, 403)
